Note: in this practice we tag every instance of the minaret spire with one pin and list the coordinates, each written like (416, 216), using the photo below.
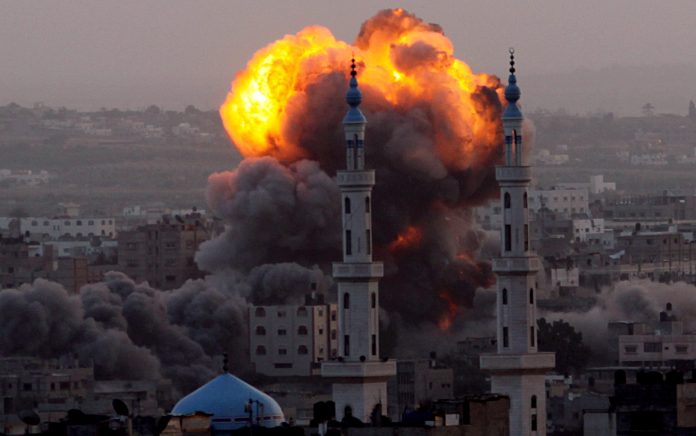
(518, 368)
(354, 123)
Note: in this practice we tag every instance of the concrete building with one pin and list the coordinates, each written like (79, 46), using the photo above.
(517, 369)
(419, 383)
(666, 346)
(38, 228)
(564, 201)
(359, 375)
(162, 254)
(293, 340)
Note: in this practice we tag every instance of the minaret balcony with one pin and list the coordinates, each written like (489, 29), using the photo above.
(360, 370)
(513, 173)
(518, 363)
(356, 178)
(342, 270)
(520, 264)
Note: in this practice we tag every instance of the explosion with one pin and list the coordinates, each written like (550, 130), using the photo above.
(433, 137)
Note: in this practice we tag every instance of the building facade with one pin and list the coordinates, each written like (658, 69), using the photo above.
(292, 340)
(517, 369)
(359, 375)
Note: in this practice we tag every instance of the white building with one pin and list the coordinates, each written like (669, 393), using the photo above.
(567, 201)
(517, 369)
(359, 375)
(585, 227)
(56, 228)
(292, 340)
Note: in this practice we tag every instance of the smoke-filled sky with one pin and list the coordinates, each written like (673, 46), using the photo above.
(131, 53)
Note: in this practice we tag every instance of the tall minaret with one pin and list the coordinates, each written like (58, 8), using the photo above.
(517, 369)
(360, 376)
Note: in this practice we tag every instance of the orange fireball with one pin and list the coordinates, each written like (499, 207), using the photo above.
(406, 61)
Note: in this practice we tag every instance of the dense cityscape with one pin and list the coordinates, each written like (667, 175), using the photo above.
(340, 277)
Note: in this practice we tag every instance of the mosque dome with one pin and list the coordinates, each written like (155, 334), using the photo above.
(228, 399)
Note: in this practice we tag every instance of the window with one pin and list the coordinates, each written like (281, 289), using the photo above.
(346, 345)
(506, 200)
(281, 314)
(373, 298)
(261, 330)
(282, 351)
(282, 332)
(505, 337)
(631, 349)
(533, 402)
(508, 237)
(531, 295)
(504, 296)
(532, 336)
(374, 345)
(526, 237)
(524, 200)
(534, 422)
(367, 204)
(368, 241)
(302, 349)
(26, 387)
(260, 312)
(346, 300)
(302, 330)
(346, 205)
(302, 312)
(681, 349)
(349, 243)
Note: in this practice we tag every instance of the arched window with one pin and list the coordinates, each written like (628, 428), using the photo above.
(532, 337)
(367, 204)
(346, 205)
(524, 200)
(302, 312)
(504, 292)
(260, 312)
(373, 299)
(302, 349)
(346, 300)
(302, 330)
(506, 200)
(349, 243)
(260, 350)
(261, 330)
(533, 402)
(531, 295)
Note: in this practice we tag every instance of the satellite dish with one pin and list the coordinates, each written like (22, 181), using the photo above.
(29, 417)
(120, 407)
(162, 423)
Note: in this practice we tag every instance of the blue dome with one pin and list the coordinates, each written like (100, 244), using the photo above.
(225, 398)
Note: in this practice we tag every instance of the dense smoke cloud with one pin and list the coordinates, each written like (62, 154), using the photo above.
(433, 138)
(636, 300)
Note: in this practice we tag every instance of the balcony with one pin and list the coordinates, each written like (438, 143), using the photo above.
(358, 270)
(358, 369)
(511, 363)
(355, 178)
(516, 264)
(520, 174)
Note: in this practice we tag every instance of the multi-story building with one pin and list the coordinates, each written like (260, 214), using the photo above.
(664, 347)
(38, 228)
(293, 340)
(517, 369)
(162, 254)
(418, 383)
(566, 201)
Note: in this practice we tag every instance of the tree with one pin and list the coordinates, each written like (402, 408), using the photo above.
(562, 338)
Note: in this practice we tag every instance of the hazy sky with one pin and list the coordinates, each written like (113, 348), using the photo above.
(129, 53)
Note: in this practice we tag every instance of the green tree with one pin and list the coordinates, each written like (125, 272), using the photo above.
(562, 338)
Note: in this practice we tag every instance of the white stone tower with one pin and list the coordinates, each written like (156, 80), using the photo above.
(359, 375)
(517, 369)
